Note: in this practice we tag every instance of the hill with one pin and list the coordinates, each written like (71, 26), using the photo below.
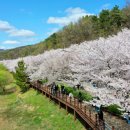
(108, 22)
(1, 50)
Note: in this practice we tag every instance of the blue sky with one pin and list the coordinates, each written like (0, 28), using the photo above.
(26, 22)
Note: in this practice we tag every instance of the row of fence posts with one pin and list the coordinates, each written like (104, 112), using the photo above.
(78, 105)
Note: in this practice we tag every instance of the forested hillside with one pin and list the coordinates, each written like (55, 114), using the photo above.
(108, 22)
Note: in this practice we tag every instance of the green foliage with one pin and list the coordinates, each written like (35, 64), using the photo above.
(85, 95)
(21, 76)
(69, 90)
(2, 67)
(44, 81)
(108, 22)
(104, 21)
(5, 78)
(116, 19)
(126, 16)
(114, 109)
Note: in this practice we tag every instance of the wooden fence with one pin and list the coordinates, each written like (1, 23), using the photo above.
(91, 119)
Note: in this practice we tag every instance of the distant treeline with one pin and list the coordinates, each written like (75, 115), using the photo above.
(108, 22)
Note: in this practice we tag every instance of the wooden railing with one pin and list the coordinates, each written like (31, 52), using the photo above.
(83, 110)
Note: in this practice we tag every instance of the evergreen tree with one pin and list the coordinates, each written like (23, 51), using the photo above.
(21, 76)
(126, 15)
(95, 26)
(116, 18)
(104, 20)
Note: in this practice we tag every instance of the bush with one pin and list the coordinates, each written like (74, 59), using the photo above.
(85, 95)
(43, 81)
(114, 109)
(69, 90)
(5, 79)
(2, 67)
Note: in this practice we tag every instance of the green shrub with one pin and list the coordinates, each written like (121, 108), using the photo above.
(114, 109)
(85, 95)
(44, 81)
(2, 67)
(69, 90)
(5, 79)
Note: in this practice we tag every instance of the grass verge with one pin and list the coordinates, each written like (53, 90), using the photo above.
(32, 111)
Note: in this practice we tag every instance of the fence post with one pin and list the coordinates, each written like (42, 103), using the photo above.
(62, 96)
(113, 128)
(42, 91)
(45, 94)
(59, 94)
(74, 102)
(70, 100)
(96, 119)
(77, 103)
(74, 115)
(85, 109)
(56, 93)
(81, 105)
(66, 98)
(66, 110)
(90, 114)
(49, 97)
(49, 89)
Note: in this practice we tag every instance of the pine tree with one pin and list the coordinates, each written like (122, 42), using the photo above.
(116, 18)
(21, 76)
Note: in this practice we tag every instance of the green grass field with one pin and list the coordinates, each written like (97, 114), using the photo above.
(33, 111)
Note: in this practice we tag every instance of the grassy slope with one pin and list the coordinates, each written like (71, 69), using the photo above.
(32, 111)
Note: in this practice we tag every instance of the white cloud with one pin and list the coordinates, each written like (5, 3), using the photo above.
(5, 26)
(2, 47)
(75, 11)
(72, 15)
(21, 33)
(11, 42)
(13, 31)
